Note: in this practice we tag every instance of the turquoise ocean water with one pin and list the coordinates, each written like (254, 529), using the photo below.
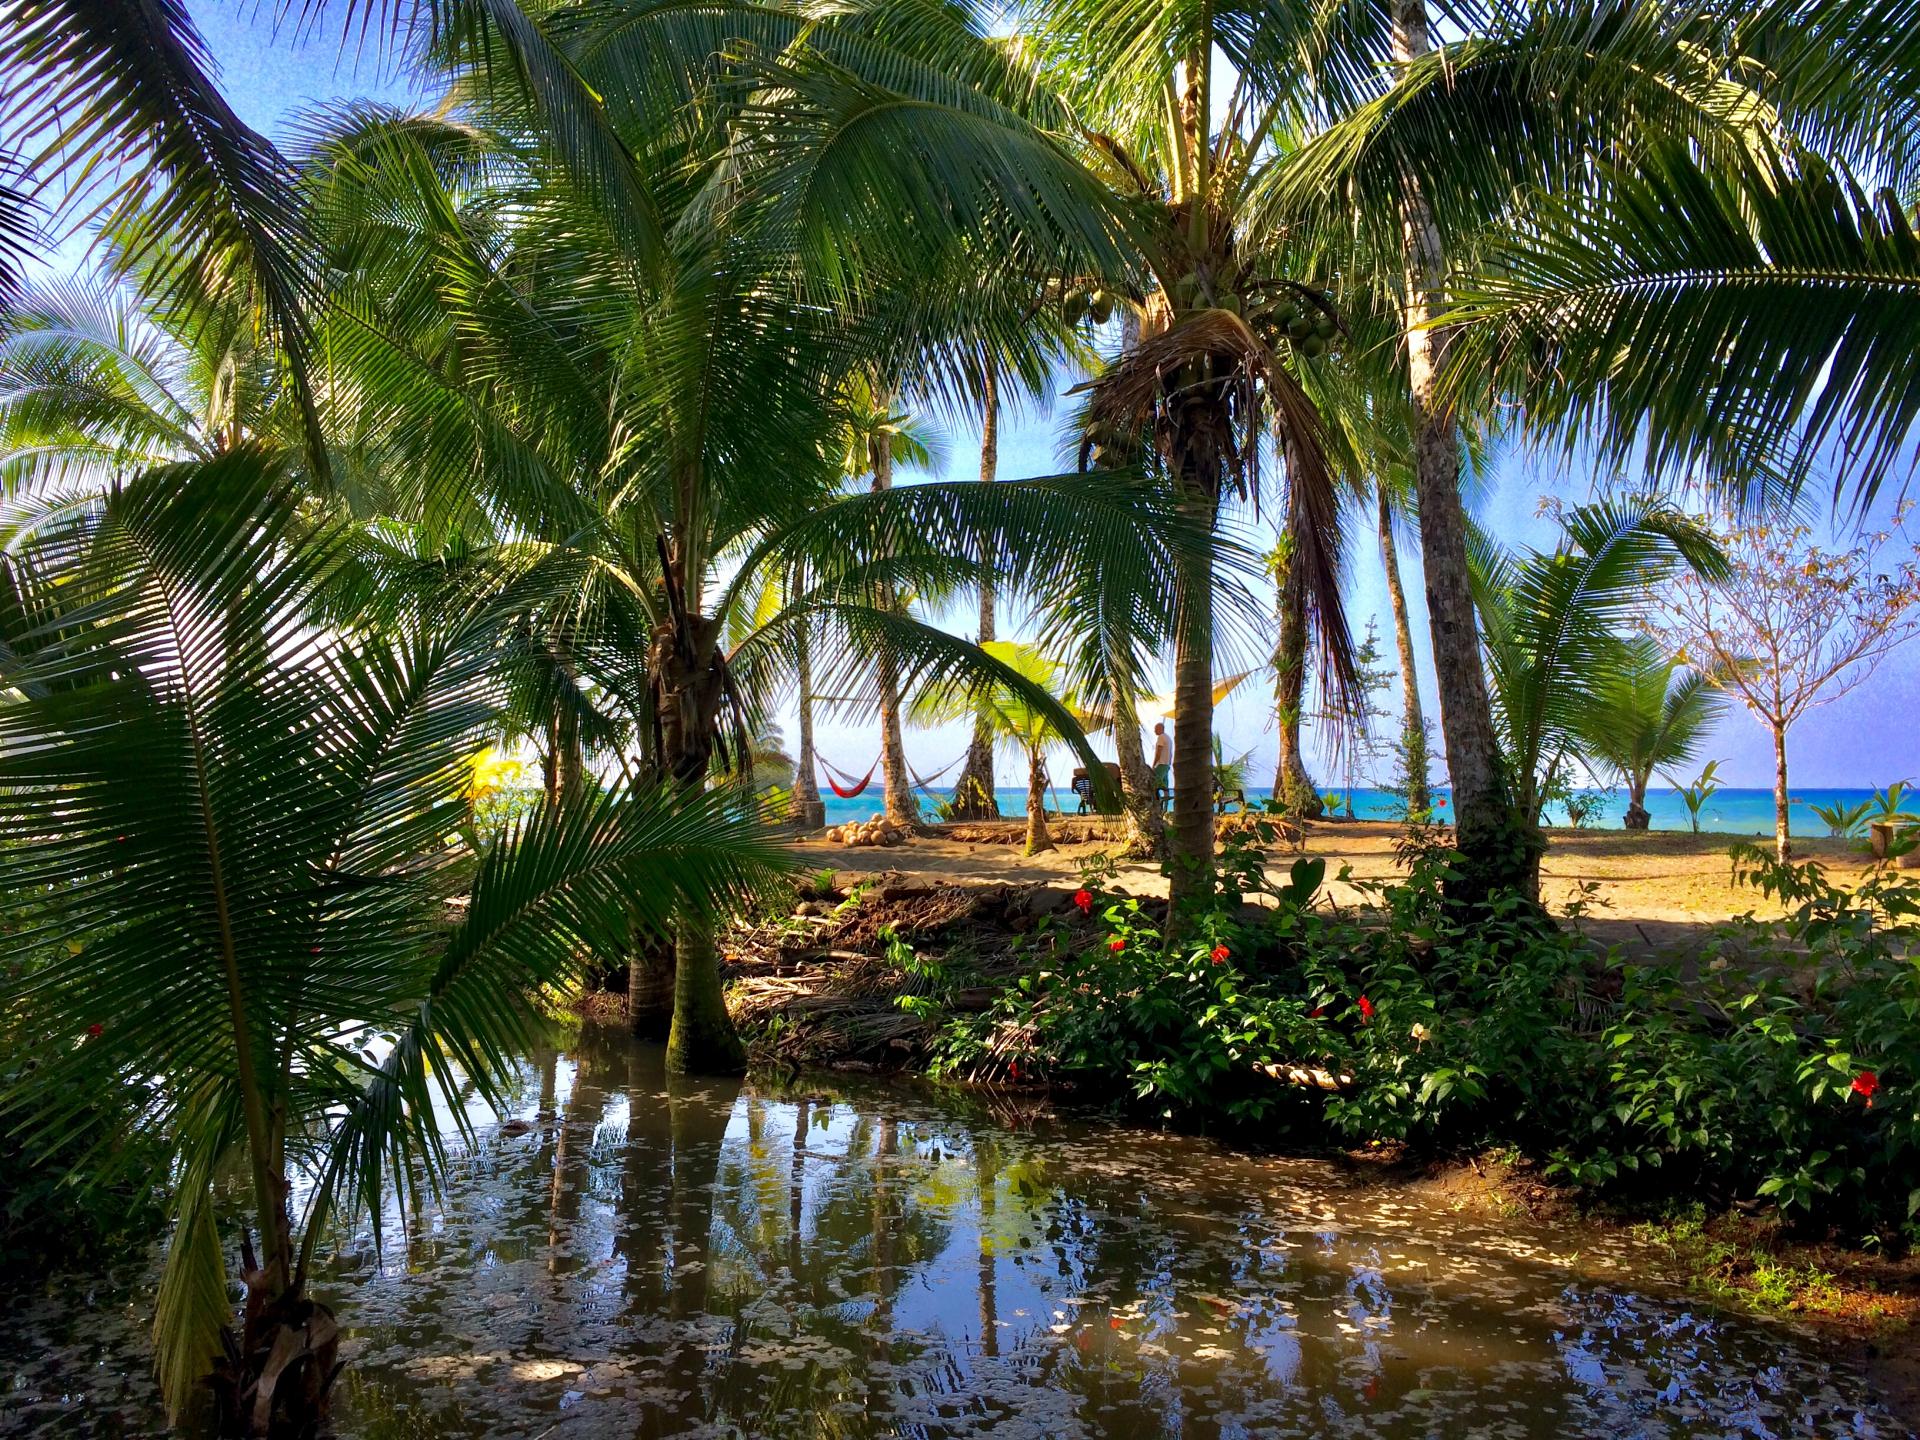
(1731, 812)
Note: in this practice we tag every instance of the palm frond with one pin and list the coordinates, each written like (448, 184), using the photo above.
(1700, 315)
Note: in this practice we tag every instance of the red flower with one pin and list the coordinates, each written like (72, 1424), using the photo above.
(1014, 1070)
(1366, 1008)
(1113, 1322)
(1864, 1084)
(1084, 900)
(96, 1029)
(1220, 952)
(1318, 1011)
(1116, 945)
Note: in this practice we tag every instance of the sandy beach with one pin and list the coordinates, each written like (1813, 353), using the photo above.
(1649, 891)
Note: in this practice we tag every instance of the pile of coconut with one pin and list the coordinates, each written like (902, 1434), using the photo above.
(877, 831)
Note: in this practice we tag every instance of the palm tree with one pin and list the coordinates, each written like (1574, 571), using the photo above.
(682, 432)
(1646, 712)
(237, 819)
(1016, 721)
(879, 438)
(1097, 182)
(1551, 622)
(1437, 177)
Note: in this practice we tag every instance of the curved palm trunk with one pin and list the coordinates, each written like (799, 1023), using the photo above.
(973, 797)
(809, 810)
(1413, 723)
(1499, 853)
(901, 807)
(1037, 837)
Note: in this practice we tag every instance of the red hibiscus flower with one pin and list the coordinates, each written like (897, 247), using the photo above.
(1116, 945)
(1084, 899)
(1014, 1070)
(1318, 1011)
(95, 1031)
(1220, 953)
(1864, 1084)
(1113, 1322)
(1366, 1008)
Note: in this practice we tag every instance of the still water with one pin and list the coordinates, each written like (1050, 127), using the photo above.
(819, 1259)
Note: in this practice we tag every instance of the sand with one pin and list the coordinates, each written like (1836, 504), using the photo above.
(1657, 890)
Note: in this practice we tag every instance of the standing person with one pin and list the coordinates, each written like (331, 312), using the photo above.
(1162, 760)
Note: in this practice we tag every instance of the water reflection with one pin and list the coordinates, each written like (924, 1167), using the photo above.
(666, 1258)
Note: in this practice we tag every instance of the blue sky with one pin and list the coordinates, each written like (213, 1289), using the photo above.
(1865, 738)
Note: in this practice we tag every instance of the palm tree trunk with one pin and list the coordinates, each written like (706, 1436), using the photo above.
(650, 984)
(1413, 723)
(1498, 852)
(702, 1040)
(1292, 786)
(1637, 817)
(901, 807)
(1145, 835)
(1191, 833)
(973, 797)
(809, 810)
(1037, 837)
(1782, 805)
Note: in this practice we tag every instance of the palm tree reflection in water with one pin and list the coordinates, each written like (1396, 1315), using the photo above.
(660, 1257)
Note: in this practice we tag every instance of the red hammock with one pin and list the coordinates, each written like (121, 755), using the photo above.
(834, 784)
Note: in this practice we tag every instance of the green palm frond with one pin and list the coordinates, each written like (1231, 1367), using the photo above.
(1528, 99)
(239, 823)
(1551, 621)
(1739, 317)
(1644, 712)
(120, 96)
(89, 390)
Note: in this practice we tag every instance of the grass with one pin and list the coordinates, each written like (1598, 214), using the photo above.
(1738, 1263)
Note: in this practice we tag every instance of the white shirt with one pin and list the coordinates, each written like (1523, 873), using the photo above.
(1162, 749)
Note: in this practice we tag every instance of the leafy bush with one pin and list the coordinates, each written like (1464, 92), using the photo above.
(1783, 1069)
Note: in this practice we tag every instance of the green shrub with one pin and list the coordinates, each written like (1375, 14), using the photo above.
(1782, 1068)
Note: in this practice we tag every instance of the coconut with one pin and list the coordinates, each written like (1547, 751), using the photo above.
(1313, 347)
(1100, 307)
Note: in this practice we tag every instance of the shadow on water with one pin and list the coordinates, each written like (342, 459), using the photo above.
(659, 1257)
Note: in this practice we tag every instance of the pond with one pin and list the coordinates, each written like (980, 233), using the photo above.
(825, 1259)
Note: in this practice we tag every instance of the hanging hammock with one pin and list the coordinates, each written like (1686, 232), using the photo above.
(926, 783)
(834, 776)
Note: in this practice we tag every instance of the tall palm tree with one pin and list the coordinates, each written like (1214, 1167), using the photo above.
(1107, 180)
(1428, 177)
(683, 431)
(237, 819)
(1647, 712)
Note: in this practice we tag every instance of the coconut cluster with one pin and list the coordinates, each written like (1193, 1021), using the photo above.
(876, 831)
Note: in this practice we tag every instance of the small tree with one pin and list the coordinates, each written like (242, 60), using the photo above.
(1647, 712)
(1793, 624)
(1014, 720)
